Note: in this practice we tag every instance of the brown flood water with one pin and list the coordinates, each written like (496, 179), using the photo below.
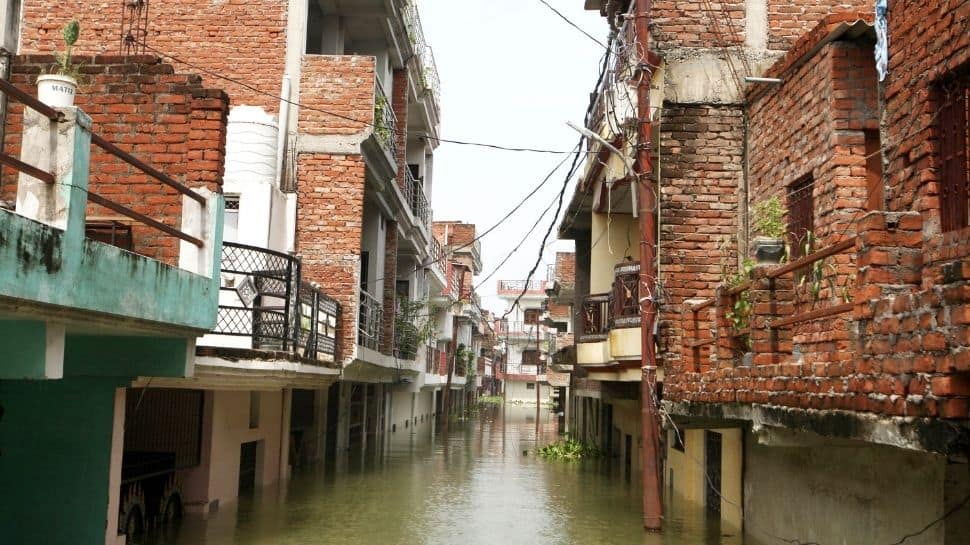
(473, 487)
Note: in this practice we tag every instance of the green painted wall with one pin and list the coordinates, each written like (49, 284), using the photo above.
(38, 263)
(24, 345)
(107, 356)
(55, 444)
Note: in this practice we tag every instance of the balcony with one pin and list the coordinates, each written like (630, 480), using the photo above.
(370, 323)
(385, 121)
(610, 322)
(264, 301)
(124, 313)
(535, 287)
(417, 200)
(430, 82)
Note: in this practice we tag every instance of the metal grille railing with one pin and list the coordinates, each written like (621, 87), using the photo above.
(385, 121)
(370, 321)
(625, 299)
(519, 285)
(417, 200)
(595, 317)
(438, 257)
(429, 79)
(272, 306)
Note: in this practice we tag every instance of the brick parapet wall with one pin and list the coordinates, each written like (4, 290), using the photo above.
(168, 120)
(205, 34)
(331, 195)
(337, 84)
(909, 356)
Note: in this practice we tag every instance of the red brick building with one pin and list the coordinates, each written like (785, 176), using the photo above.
(771, 375)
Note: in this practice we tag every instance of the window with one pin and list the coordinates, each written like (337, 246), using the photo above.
(801, 215)
(530, 357)
(952, 119)
(230, 229)
(530, 385)
(531, 316)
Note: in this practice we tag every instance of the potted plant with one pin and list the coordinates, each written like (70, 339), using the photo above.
(769, 222)
(58, 88)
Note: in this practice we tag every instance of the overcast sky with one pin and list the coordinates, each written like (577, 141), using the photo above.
(512, 73)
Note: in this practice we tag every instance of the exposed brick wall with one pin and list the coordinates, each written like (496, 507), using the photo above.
(206, 34)
(704, 25)
(694, 24)
(399, 100)
(701, 161)
(168, 120)
(788, 20)
(459, 234)
(928, 41)
(331, 195)
(910, 319)
(566, 267)
(813, 124)
(341, 84)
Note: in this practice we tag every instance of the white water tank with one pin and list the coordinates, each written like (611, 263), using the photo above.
(251, 138)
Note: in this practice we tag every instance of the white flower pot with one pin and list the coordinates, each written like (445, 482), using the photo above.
(56, 91)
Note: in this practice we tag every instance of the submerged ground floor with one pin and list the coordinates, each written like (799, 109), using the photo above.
(779, 484)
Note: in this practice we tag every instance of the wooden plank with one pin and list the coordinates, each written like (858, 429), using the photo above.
(146, 168)
(29, 170)
(813, 315)
(99, 200)
(812, 258)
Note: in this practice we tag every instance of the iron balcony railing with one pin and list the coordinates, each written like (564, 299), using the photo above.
(263, 298)
(438, 258)
(535, 285)
(428, 75)
(370, 322)
(385, 121)
(620, 308)
(417, 200)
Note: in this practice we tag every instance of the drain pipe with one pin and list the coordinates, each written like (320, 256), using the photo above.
(650, 423)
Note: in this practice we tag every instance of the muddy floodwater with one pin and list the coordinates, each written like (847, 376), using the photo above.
(470, 486)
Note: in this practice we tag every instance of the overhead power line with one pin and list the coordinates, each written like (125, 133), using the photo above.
(365, 123)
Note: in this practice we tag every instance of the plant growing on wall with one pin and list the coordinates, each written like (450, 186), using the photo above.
(384, 133)
(769, 222)
(740, 312)
(769, 218)
(412, 327)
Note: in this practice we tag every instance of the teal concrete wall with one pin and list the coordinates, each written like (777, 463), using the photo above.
(24, 345)
(130, 357)
(55, 445)
(39, 263)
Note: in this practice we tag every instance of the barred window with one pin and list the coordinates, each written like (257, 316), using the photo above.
(801, 215)
(954, 175)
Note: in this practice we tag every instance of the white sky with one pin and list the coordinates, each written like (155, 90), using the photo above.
(512, 73)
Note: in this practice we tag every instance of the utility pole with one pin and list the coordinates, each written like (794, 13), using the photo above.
(538, 384)
(650, 422)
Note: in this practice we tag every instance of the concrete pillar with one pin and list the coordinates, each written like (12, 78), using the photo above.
(286, 410)
(114, 470)
(64, 150)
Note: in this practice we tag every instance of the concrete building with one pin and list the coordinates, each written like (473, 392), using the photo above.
(91, 304)
(340, 313)
(525, 338)
(836, 374)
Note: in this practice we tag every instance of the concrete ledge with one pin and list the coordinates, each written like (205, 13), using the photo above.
(921, 434)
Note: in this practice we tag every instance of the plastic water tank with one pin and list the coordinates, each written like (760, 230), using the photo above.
(251, 145)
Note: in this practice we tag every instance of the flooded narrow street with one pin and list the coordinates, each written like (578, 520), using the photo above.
(474, 487)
